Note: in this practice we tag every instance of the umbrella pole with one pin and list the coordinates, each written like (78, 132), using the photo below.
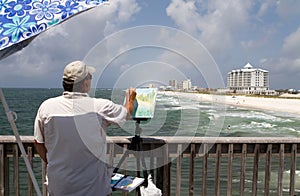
(11, 120)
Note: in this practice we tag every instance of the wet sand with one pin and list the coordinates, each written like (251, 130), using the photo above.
(282, 105)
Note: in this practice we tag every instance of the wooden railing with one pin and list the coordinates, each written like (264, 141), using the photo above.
(183, 165)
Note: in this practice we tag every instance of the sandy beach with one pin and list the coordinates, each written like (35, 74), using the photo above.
(281, 105)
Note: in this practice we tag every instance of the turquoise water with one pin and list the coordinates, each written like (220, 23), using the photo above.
(169, 119)
(173, 116)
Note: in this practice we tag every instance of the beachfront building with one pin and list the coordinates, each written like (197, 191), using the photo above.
(173, 84)
(151, 85)
(249, 80)
(186, 85)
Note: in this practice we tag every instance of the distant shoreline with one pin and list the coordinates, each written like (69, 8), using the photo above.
(278, 104)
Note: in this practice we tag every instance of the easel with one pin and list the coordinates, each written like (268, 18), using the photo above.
(136, 146)
(11, 117)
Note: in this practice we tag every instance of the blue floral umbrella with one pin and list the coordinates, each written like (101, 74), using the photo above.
(22, 20)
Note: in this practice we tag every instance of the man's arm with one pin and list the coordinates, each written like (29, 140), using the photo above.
(41, 150)
(130, 98)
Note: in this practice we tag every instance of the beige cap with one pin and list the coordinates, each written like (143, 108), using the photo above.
(76, 71)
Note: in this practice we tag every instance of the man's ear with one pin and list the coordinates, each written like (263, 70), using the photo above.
(85, 85)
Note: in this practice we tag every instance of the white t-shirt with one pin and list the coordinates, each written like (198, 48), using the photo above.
(73, 128)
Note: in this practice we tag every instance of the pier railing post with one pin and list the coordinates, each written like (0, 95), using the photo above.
(2, 176)
(16, 170)
(230, 164)
(293, 169)
(281, 169)
(192, 172)
(255, 169)
(204, 169)
(178, 169)
(163, 173)
(30, 158)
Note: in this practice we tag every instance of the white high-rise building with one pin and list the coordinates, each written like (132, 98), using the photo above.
(186, 84)
(248, 80)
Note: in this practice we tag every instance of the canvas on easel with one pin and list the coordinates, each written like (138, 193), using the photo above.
(144, 106)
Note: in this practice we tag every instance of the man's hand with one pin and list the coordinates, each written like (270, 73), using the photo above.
(130, 98)
(131, 94)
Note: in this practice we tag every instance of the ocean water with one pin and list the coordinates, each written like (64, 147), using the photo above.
(174, 116)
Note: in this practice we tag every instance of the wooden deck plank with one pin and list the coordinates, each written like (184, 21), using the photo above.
(176, 140)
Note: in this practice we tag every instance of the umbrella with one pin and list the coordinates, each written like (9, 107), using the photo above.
(20, 22)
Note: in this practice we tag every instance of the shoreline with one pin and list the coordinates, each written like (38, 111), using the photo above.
(282, 105)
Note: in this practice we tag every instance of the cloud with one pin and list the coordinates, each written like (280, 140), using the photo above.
(291, 45)
(184, 14)
(236, 31)
(45, 57)
(121, 12)
(172, 51)
(289, 59)
(233, 32)
(215, 25)
(265, 7)
(288, 8)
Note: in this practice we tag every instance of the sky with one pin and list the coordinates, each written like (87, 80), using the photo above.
(137, 42)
